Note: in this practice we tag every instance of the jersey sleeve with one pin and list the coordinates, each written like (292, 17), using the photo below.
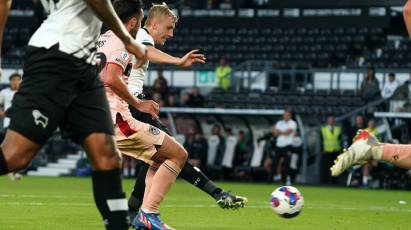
(120, 58)
(145, 38)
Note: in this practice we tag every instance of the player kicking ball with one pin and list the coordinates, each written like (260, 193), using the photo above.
(366, 147)
(165, 156)
(159, 27)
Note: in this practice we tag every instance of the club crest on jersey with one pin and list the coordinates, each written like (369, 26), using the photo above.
(40, 119)
(153, 130)
(124, 55)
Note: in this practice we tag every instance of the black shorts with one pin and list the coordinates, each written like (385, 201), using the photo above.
(59, 91)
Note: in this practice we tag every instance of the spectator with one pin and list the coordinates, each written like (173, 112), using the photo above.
(370, 86)
(403, 91)
(295, 156)
(351, 131)
(216, 130)
(242, 150)
(172, 101)
(331, 147)
(368, 167)
(195, 98)
(6, 97)
(285, 131)
(185, 98)
(223, 74)
(160, 85)
(390, 86)
(196, 145)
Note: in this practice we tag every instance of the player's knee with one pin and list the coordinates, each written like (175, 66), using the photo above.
(16, 159)
(182, 155)
(108, 161)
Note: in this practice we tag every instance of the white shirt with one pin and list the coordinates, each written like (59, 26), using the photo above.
(136, 79)
(6, 96)
(282, 126)
(389, 89)
(71, 24)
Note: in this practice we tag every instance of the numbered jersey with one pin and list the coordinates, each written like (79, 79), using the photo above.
(111, 51)
(72, 25)
(136, 80)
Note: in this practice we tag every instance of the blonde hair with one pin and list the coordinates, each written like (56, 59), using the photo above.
(159, 10)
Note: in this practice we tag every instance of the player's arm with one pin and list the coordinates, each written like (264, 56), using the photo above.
(2, 112)
(4, 12)
(113, 79)
(158, 56)
(104, 10)
(407, 16)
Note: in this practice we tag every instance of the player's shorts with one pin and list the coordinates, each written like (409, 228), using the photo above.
(147, 118)
(59, 91)
(137, 139)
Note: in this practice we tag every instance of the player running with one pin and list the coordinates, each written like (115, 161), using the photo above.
(366, 147)
(61, 89)
(134, 138)
(159, 27)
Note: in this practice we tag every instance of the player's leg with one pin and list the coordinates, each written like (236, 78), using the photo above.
(106, 177)
(191, 174)
(88, 121)
(16, 152)
(366, 147)
(174, 157)
(136, 197)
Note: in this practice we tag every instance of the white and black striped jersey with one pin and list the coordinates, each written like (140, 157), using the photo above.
(136, 79)
(72, 25)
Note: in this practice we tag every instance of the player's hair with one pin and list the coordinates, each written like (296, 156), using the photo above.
(14, 75)
(160, 10)
(126, 9)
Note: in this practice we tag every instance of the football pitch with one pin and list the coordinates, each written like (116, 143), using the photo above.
(40, 203)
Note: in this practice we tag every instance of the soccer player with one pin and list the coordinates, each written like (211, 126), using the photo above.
(134, 138)
(367, 147)
(61, 89)
(159, 27)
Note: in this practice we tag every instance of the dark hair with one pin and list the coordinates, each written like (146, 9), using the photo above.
(14, 75)
(126, 9)
(391, 75)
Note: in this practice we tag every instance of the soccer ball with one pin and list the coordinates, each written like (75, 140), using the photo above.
(287, 201)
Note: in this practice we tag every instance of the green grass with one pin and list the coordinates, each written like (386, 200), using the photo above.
(66, 203)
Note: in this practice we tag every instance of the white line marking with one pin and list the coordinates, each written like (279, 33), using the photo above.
(371, 208)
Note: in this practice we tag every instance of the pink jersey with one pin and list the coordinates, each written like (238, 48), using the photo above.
(111, 51)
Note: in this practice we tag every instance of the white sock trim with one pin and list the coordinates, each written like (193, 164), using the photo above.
(117, 205)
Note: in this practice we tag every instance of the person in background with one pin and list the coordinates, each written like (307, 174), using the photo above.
(223, 73)
(242, 150)
(285, 131)
(160, 85)
(371, 164)
(172, 101)
(370, 86)
(197, 147)
(390, 86)
(195, 98)
(331, 146)
(6, 97)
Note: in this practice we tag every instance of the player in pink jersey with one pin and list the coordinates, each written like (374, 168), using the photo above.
(134, 138)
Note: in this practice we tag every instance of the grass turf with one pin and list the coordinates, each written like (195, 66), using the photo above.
(40, 203)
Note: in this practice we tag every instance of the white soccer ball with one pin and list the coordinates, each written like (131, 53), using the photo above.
(287, 201)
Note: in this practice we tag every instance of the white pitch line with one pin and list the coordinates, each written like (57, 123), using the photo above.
(371, 208)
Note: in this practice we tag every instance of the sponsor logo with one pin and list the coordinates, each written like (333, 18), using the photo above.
(40, 119)
(153, 130)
